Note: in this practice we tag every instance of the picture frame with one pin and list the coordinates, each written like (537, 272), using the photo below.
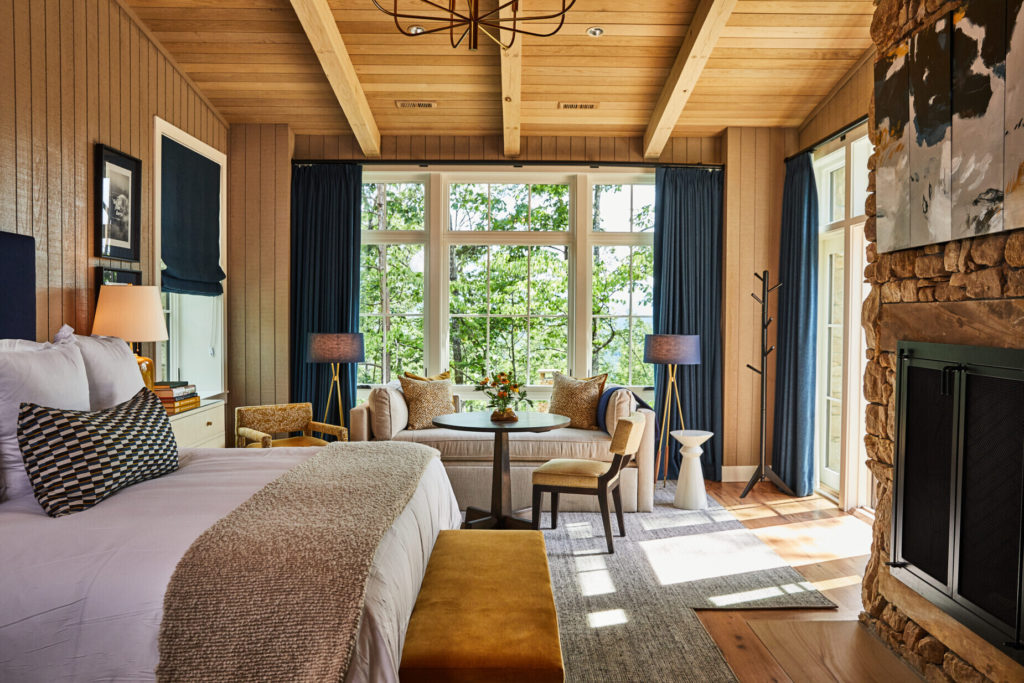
(116, 276)
(118, 201)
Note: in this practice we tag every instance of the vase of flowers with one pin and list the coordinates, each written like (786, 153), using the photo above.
(503, 393)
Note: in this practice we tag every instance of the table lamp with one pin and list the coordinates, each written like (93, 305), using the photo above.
(135, 314)
(336, 348)
(671, 350)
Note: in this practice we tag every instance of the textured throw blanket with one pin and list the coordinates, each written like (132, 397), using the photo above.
(275, 590)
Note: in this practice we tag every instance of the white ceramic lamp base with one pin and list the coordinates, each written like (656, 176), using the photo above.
(690, 493)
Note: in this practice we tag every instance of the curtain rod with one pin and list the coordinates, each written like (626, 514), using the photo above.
(828, 138)
(513, 163)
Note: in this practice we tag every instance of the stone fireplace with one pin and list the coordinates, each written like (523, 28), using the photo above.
(969, 292)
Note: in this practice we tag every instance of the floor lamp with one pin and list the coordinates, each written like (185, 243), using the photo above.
(672, 350)
(336, 348)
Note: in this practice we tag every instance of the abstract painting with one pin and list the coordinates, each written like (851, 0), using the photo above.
(949, 109)
(1013, 179)
(892, 182)
(931, 134)
(979, 85)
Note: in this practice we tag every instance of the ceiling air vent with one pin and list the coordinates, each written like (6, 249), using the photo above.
(577, 106)
(415, 104)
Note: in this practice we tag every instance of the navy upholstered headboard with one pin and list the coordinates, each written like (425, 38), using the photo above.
(17, 286)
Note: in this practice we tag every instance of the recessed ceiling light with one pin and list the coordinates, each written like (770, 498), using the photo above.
(416, 29)
(595, 31)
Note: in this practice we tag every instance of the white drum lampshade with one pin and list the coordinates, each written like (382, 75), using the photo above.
(135, 314)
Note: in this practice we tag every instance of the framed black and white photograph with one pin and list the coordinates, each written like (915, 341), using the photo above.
(118, 196)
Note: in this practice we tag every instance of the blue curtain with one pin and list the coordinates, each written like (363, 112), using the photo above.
(793, 440)
(326, 201)
(688, 300)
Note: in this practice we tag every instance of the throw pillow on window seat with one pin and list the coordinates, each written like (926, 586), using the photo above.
(447, 374)
(577, 399)
(426, 400)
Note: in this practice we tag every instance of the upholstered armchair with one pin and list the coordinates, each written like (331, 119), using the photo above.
(256, 426)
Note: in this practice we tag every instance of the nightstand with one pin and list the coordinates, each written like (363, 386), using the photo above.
(201, 427)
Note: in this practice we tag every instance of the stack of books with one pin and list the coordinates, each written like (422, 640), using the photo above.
(177, 397)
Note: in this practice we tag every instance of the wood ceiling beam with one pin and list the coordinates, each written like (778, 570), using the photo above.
(322, 30)
(511, 88)
(707, 25)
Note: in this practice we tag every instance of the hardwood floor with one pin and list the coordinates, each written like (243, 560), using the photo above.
(830, 548)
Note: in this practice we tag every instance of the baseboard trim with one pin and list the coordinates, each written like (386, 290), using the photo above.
(738, 472)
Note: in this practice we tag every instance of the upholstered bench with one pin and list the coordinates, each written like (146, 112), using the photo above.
(485, 612)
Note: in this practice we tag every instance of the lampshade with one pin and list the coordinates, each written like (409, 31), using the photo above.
(340, 347)
(672, 349)
(132, 313)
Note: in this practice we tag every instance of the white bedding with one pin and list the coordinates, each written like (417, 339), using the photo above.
(81, 597)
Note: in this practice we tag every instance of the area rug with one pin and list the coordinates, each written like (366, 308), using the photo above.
(630, 616)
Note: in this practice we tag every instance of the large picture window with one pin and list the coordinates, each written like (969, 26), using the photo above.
(529, 271)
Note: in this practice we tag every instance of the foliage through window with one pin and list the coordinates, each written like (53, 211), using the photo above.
(393, 206)
(508, 310)
(623, 293)
(624, 208)
(504, 207)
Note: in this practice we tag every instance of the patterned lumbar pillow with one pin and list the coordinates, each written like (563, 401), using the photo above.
(76, 458)
(447, 374)
(577, 399)
(426, 400)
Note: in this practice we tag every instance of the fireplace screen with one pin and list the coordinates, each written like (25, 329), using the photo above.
(958, 523)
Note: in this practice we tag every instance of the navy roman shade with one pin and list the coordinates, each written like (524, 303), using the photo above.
(190, 222)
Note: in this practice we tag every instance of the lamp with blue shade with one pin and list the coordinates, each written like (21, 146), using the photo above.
(672, 350)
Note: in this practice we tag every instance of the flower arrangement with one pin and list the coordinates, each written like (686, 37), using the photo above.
(503, 393)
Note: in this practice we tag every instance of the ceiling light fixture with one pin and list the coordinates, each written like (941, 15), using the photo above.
(472, 21)
(595, 31)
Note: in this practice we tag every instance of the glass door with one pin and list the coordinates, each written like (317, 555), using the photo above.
(831, 307)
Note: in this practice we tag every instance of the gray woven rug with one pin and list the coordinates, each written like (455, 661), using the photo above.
(629, 616)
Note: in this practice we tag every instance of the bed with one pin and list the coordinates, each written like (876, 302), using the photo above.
(81, 597)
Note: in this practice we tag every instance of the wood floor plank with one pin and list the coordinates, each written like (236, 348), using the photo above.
(841, 651)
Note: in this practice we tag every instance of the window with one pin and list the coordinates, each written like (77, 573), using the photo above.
(841, 173)
(508, 310)
(534, 272)
(623, 292)
(391, 281)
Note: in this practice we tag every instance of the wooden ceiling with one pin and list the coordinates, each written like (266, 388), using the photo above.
(773, 61)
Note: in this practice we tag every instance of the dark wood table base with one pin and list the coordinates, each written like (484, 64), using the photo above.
(477, 518)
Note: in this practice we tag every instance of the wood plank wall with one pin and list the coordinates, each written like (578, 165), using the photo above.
(754, 175)
(259, 261)
(415, 148)
(74, 73)
(847, 104)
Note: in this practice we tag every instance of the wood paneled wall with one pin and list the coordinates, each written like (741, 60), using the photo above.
(754, 175)
(74, 73)
(848, 102)
(259, 263)
(415, 148)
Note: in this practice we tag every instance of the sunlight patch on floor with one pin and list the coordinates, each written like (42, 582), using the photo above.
(608, 617)
(839, 582)
(820, 540)
(692, 519)
(579, 530)
(703, 556)
(595, 583)
(760, 594)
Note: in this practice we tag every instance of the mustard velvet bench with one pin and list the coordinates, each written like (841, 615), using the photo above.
(485, 612)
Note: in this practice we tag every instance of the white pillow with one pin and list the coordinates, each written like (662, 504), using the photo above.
(110, 366)
(51, 375)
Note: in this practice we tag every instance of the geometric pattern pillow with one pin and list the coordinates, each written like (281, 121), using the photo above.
(76, 458)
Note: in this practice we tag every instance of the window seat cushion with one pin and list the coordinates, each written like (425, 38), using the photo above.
(457, 445)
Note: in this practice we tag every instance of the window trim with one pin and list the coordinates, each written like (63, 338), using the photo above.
(437, 238)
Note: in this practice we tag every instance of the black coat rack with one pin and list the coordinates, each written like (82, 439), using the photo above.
(764, 471)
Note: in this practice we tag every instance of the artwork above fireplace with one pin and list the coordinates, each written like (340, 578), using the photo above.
(958, 527)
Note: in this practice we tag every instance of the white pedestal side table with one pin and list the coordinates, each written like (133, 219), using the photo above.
(690, 493)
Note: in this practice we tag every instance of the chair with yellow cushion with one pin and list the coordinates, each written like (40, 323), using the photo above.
(591, 477)
(256, 426)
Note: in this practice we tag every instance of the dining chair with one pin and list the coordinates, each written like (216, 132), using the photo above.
(591, 477)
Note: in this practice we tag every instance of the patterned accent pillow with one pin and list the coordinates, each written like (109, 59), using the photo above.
(447, 374)
(426, 400)
(577, 399)
(76, 458)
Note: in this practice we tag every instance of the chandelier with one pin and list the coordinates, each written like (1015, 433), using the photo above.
(472, 21)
